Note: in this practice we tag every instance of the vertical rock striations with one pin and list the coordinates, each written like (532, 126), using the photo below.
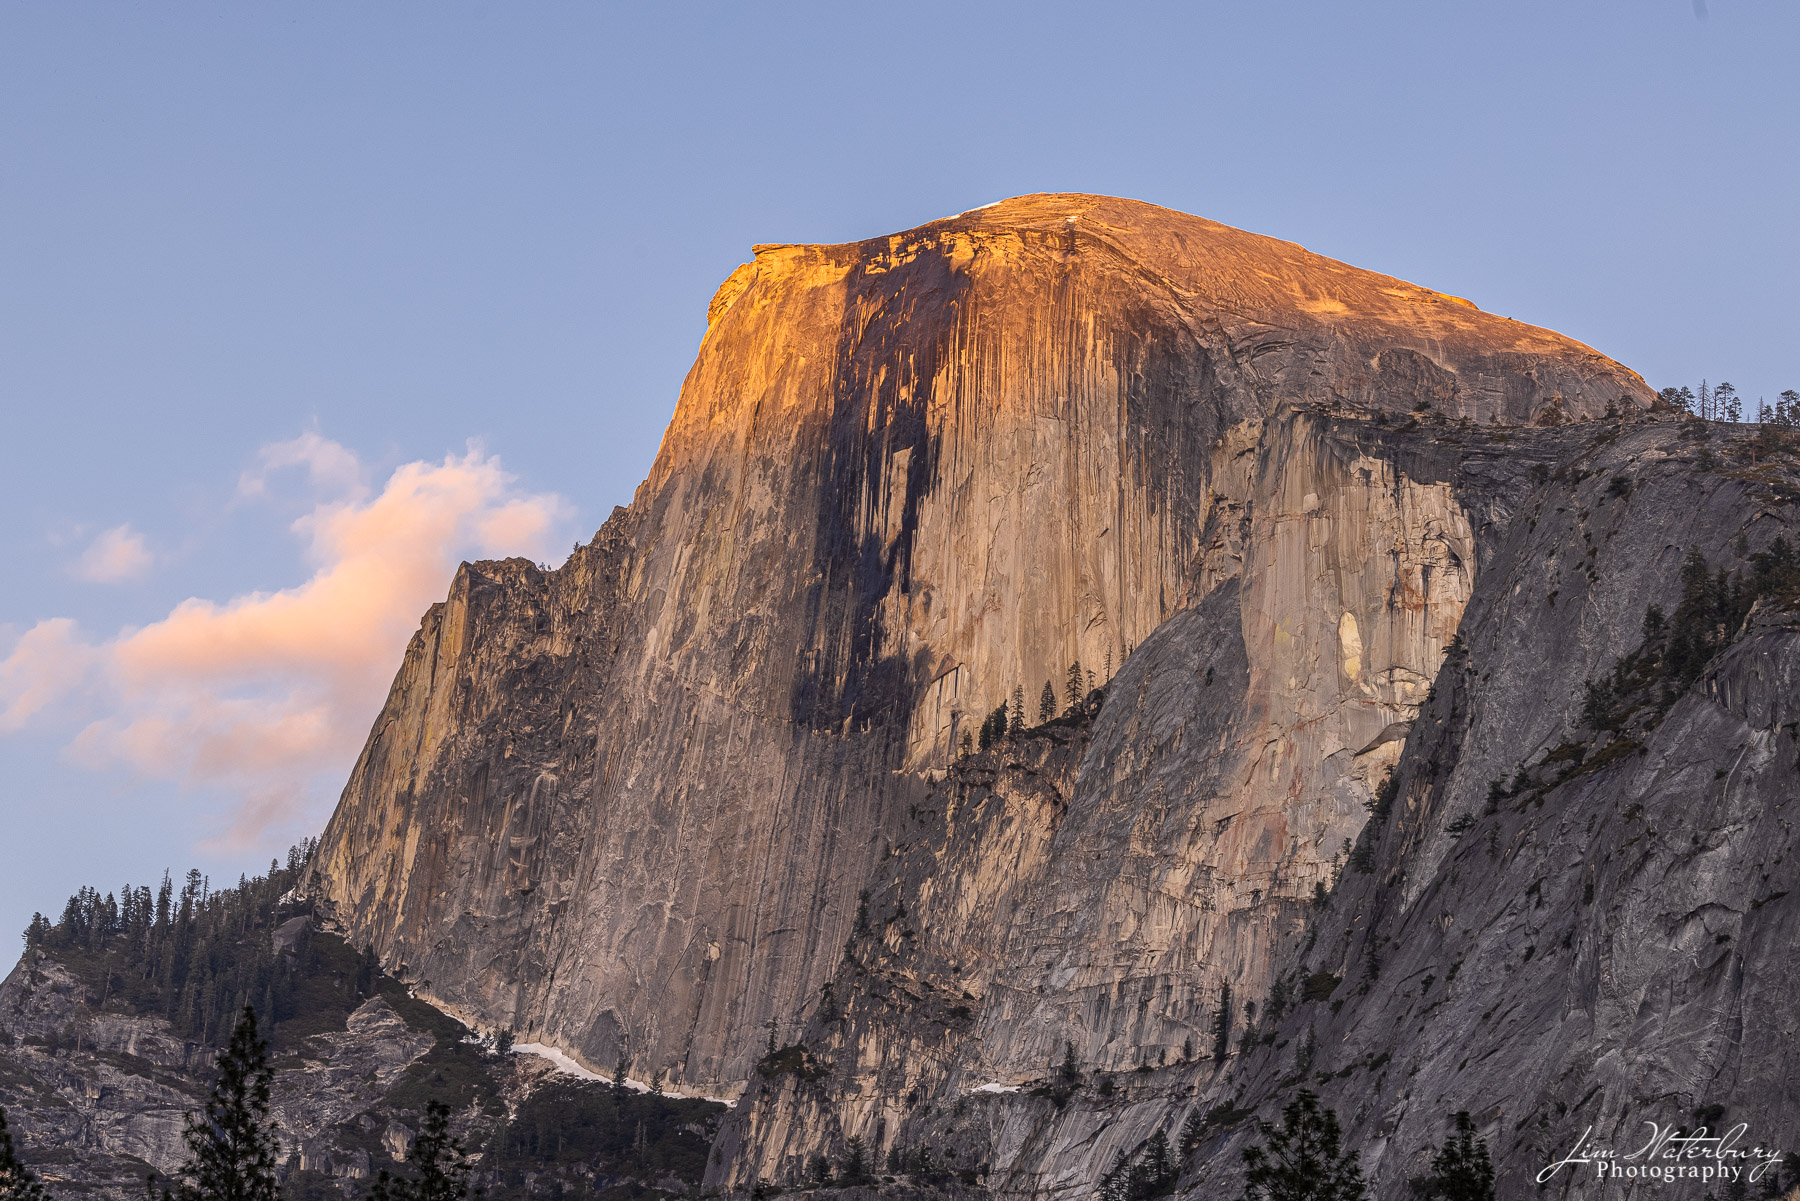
(628, 806)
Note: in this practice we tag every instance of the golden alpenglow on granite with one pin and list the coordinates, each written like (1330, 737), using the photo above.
(628, 805)
(729, 777)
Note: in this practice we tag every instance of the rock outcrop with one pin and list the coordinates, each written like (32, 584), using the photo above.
(97, 1086)
(627, 806)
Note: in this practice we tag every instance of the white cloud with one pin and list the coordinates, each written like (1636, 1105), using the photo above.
(270, 694)
(113, 557)
(329, 466)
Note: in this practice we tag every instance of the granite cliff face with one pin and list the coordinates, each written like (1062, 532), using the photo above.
(1549, 924)
(650, 804)
(626, 805)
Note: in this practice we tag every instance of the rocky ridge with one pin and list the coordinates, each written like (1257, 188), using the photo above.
(97, 1092)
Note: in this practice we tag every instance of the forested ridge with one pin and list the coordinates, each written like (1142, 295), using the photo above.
(196, 955)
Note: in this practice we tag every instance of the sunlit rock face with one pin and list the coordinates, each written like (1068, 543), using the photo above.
(628, 806)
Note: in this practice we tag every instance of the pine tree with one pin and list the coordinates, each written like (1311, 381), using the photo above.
(1152, 1174)
(1017, 727)
(1222, 1025)
(1075, 689)
(231, 1149)
(994, 728)
(856, 1161)
(1727, 403)
(439, 1165)
(1304, 1159)
(1046, 703)
(1069, 1072)
(16, 1181)
(1461, 1169)
(1157, 1167)
(1191, 1131)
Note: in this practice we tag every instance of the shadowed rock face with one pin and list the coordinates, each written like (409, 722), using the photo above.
(627, 806)
(1548, 925)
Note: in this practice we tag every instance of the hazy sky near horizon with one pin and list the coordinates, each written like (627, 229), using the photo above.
(300, 305)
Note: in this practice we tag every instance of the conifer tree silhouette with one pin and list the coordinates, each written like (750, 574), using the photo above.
(231, 1146)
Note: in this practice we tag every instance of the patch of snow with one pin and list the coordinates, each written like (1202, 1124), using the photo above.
(994, 1086)
(953, 216)
(567, 1066)
(561, 1061)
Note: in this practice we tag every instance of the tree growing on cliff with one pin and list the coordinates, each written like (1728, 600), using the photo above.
(1192, 1131)
(994, 728)
(1303, 1159)
(1222, 1025)
(17, 1183)
(1076, 686)
(231, 1146)
(1152, 1174)
(1016, 729)
(1066, 1078)
(1046, 703)
(1461, 1170)
(855, 1168)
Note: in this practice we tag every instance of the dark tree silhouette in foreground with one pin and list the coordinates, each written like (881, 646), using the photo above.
(1303, 1159)
(439, 1165)
(16, 1181)
(1461, 1170)
(231, 1148)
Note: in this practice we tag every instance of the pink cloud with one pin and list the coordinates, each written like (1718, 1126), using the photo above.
(270, 694)
(47, 663)
(114, 556)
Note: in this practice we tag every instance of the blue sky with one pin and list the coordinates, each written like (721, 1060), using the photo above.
(267, 270)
